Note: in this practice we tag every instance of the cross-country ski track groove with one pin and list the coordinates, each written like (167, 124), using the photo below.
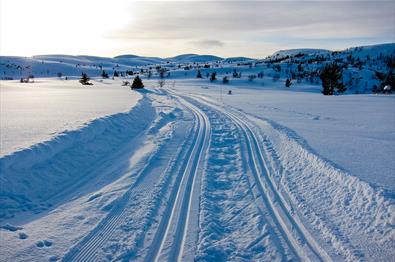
(181, 197)
(170, 233)
(179, 201)
(301, 241)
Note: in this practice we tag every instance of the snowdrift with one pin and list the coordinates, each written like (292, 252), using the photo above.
(42, 175)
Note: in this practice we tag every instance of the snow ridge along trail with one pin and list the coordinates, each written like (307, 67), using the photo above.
(59, 168)
(171, 236)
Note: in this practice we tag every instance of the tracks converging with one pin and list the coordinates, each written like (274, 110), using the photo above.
(174, 233)
(171, 233)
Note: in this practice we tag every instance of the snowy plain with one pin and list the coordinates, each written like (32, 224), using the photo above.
(188, 172)
(36, 112)
(333, 127)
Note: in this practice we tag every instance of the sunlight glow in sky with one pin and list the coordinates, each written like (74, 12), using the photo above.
(169, 28)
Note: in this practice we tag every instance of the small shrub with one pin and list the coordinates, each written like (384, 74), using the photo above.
(84, 80)
(288, 82)
(213, 76)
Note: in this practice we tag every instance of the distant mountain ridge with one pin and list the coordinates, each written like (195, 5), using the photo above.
(131, 59)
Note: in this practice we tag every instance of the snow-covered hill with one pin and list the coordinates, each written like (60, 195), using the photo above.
(193, 58)
(51, 65)
(363, 68)
(299, 52)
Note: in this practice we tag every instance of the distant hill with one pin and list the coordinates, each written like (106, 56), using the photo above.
(302, 51)
(193, 58)
(237, 59)
(360, 64)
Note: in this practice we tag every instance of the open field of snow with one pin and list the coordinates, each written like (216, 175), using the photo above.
(183, 171)
(332, 127)
(36, 112)
(191, 174)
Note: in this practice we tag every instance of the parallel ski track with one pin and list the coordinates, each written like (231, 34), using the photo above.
(177, 212)
(292, 229)
(86, 249)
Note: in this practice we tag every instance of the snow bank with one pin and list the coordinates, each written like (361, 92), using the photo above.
(38, 177)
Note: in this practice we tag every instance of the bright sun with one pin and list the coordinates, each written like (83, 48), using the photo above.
(67, 26)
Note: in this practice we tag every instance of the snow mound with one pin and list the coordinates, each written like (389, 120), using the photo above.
(38, 177)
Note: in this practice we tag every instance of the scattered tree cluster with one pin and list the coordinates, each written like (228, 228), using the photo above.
(332, 79)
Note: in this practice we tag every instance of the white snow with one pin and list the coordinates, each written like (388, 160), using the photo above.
(188, 172)
(333, 127)
(36, 112)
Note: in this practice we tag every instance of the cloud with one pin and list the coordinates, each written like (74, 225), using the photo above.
(208, 43)
(191, 20)
(243, 24)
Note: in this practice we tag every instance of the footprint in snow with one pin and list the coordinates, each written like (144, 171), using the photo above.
(316, 118)
(45, 243)
(23, 235)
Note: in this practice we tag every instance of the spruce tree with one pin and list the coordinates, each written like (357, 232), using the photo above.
(104, 74)
(199, 74)
(331, 77)
(137, 83)
(213, 76)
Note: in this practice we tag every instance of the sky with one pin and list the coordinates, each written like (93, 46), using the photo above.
(167, 28)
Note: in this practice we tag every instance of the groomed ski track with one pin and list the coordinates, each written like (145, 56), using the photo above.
(208, 187)
(297, 237)
(173, 226)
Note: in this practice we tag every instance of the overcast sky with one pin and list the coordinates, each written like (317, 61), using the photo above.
(169, 28)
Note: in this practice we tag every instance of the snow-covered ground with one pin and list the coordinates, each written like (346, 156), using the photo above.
(188, 172)
(36, 112)
(332, 127)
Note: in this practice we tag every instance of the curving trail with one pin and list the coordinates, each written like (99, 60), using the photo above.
(200, 181)
(171, 233)
(298, 238)
(222, 150)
